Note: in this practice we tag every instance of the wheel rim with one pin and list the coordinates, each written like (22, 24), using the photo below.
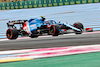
(52, 30)
(9, 34)
(76, 26)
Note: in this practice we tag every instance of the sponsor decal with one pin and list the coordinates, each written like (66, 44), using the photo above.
(34, 21)
(11, 23)
(33, 25)
(48, 26)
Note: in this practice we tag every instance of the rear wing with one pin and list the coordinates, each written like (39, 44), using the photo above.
(12, 23)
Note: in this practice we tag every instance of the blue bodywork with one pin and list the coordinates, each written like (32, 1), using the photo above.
(36, 23)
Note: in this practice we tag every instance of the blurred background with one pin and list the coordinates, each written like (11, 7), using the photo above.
(12, 0)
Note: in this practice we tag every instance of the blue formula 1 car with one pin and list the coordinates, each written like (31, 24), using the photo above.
(37, 27)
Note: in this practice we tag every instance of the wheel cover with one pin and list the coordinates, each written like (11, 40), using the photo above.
(9, 34)
(52, 30)
(76, 25)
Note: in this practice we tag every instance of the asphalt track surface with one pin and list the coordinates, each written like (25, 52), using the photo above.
(47, 42)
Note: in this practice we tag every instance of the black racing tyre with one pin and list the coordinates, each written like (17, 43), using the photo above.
(12, 33)
(34, 36)
(79, 26)
(54, 30)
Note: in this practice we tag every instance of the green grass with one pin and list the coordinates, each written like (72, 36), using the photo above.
(81, 60)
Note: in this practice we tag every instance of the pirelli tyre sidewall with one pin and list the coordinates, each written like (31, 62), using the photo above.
(54, 30)
(12, 33)
(79, 26)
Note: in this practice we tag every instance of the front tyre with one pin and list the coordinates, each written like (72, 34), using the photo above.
(79, 26)
(12, 33)
(54, 30)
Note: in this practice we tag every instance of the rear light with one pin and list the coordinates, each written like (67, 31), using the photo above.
(65, 29)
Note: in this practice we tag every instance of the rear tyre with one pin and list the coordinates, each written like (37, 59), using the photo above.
(12, 33)
(54, 30)
(79, 26)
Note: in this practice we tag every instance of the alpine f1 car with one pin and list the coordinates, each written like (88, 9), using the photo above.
(37, 27)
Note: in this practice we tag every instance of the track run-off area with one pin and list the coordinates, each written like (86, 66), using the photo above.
(47, 51)
(53, 51)
(61, 45)
(83, 60)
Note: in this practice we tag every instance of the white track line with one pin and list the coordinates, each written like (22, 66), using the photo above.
(42, 50)
(3, 39)
(49, 52)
